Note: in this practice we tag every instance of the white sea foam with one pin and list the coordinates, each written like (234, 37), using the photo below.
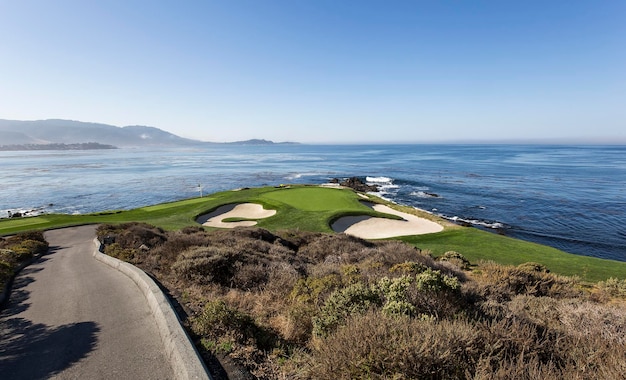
(390, 186)
(423, 194)
(378, 179)
(35, 211)
(385, 185)
(475, 222)
(294, 176)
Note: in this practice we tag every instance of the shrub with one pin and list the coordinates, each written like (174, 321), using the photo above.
(140, 234)
(377, 346)
(613, 287)
(394, 291)
(564, 339)
(533, 267)
(176, 244)
(504, 282)
(543, 311)
(313, 290)
(6, 270)
(591, 320)
(248, 276)
(455, 258)
(204, 265)
(408, 267)
(21, 253)
(218, 319)
(282, 278)
(434, 280)
(26, 249)
(351, 273)
(8, 256)
(18, 249)
(222, 323)
(190, 230)
(35, 247)
(390, 253)
(324, 245)
(299, 324)
(119, 252)
(132, 235)
(31, 235)
(516, 339)
(354, 299)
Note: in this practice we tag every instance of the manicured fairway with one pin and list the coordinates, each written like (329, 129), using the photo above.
(312, 208)
(305, 207)
(316, 199)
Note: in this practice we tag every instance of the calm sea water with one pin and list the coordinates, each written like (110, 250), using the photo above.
(569, 197)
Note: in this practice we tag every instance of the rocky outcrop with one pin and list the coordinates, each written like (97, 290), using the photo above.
(356, 184)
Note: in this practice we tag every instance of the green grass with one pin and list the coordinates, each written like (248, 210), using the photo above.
(312, 208)
(477, 245)
(313, 199)
(305, 207)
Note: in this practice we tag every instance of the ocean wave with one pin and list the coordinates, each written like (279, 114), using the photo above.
(477, 222)
(378, 179)
(385, 186)
(424, 194)
(389, 186)
(34, 211)
(294, 176)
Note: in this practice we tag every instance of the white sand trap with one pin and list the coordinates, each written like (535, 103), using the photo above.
(367, 227)
(242, 210)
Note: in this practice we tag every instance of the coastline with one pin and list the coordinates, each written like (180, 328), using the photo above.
(551, 195)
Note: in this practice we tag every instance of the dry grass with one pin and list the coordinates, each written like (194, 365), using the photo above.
(378, 346)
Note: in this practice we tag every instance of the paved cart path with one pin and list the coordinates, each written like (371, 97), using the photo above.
(73, 317)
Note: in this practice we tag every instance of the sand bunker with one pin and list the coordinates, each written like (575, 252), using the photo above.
(241, 210)
(368, 227)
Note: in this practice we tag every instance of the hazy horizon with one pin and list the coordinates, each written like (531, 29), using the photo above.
(522, 141)
(323, 71)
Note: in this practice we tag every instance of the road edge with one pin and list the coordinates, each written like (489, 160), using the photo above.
(185, 359)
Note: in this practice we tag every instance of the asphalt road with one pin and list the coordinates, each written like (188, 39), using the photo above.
(72, 317)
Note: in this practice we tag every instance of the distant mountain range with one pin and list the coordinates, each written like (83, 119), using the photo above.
(59, 132)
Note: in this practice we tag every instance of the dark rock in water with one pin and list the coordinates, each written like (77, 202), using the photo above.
(358, 185)
(432, 195)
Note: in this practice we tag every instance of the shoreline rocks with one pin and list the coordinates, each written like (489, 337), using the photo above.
(357, 184)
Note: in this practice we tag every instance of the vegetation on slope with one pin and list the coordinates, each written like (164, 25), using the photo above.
(17, 250)
(294, 304)
(293, 300)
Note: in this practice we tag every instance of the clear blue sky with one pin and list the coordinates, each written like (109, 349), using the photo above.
(321, 70)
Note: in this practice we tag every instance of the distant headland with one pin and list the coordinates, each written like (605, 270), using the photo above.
(57, 146)
(57, 134)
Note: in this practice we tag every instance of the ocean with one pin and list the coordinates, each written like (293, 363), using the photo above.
(570, 197)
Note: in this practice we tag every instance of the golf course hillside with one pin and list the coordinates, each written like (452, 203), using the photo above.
(281, 282)
(319, 209)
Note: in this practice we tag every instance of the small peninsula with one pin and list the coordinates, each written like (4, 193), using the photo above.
(57, 146)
